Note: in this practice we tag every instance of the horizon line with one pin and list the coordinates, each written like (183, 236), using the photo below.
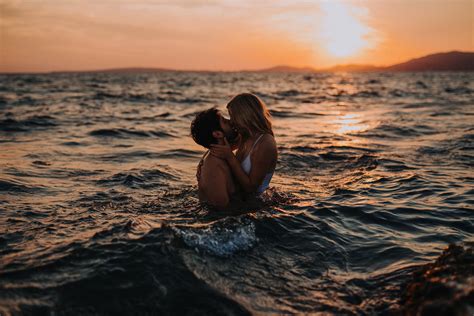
(165, 69)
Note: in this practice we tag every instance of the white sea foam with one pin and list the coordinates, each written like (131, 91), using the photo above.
(223, 238)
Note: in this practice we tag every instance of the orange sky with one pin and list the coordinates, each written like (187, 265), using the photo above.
(47, 35)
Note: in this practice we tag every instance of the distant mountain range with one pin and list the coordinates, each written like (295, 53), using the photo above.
(449, 61)
(284, 69)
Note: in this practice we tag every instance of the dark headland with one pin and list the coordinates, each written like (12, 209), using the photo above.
(450, 61)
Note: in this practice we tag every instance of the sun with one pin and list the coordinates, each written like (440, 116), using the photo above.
(343, 32)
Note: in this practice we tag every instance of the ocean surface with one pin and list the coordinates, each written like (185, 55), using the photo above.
(99, 211)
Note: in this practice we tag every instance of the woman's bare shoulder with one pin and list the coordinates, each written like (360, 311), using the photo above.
(267, 141)
(266, 146)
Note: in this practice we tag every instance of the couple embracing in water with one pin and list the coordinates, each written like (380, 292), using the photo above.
(224, 177)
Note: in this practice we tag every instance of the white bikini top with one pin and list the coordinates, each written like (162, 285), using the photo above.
(247, 166)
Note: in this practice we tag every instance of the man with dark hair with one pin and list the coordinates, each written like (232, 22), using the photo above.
(215, 183)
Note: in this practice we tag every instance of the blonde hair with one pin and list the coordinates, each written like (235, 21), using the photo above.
(250, 115)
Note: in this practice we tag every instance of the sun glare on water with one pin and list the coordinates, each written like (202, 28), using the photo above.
(343, 33)
(349, 123)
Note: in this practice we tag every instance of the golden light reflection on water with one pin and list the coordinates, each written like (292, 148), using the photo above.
(349, 123)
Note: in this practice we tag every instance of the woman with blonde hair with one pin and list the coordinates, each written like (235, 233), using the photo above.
(256, 157)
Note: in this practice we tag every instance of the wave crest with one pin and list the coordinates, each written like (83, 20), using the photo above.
(223, 238)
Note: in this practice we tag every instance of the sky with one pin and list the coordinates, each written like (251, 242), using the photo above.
(54, 35)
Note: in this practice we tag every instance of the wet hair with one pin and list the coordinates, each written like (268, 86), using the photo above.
(203, 125)
(250, 115)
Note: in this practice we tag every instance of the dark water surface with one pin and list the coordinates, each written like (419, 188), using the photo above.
(99, 209)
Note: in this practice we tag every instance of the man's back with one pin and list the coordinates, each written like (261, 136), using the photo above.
(215, 181)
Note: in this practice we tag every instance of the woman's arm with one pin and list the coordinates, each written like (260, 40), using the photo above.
(263, 159)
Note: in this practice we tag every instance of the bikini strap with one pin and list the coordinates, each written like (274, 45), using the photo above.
(255, 143)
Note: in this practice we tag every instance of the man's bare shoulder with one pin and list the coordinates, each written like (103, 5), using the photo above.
(213, 168)
(214, 162)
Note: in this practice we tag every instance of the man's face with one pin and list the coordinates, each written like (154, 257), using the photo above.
(229, 132)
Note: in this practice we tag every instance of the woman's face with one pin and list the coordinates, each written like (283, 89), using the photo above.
(232, 121)
(230, 115)
(229, 131)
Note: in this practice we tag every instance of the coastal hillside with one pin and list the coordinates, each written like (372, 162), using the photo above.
(452, 61)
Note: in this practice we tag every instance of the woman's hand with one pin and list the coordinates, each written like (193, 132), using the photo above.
(222, 151)
(235, 144)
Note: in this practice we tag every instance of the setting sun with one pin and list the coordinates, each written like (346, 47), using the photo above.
(342, 29)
